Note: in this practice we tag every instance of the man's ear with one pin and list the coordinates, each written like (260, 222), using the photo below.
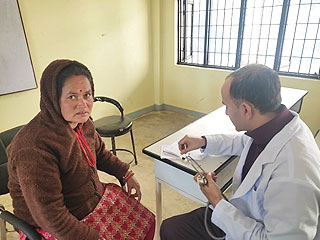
(247, 109)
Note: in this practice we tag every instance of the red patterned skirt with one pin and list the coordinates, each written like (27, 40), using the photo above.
(116, 217)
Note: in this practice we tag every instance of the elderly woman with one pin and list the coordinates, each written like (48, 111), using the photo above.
(53, 163)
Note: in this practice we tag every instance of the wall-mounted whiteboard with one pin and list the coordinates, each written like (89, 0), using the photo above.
(16, 71)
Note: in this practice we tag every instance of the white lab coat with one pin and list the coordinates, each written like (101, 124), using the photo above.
(280, 196)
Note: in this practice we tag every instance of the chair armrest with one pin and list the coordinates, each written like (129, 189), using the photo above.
(4, 178)
(26, 228)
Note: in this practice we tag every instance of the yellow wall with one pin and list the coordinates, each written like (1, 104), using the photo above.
(130, 48)
(310, 112)
(198, 89)
(113, 38)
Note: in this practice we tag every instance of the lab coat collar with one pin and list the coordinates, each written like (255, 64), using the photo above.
(268, 155)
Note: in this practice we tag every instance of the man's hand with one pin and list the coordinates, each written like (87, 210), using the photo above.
(211, 189)
(188, 143)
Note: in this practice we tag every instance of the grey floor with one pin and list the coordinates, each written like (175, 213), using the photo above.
(147, 129)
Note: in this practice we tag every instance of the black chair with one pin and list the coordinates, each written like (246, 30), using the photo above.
(116, 125)
(6, 216)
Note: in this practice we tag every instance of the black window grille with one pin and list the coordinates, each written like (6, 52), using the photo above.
(228, 34)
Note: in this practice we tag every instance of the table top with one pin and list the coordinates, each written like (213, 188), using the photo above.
(216, 122)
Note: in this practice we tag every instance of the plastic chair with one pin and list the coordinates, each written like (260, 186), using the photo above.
(6, 216)
(116, 125)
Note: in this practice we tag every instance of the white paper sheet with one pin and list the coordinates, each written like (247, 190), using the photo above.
(172, 152)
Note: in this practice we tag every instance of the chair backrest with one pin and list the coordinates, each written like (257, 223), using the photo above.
(5, 139)
(110, 100)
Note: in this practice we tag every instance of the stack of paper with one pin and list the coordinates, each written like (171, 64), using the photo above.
(172, 152)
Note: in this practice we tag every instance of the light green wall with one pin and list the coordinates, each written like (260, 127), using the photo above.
(198, 89)
(113, 38)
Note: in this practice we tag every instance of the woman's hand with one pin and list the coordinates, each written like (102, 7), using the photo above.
(133, 185)
(188, 143)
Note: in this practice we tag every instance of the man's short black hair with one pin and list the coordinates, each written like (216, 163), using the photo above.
(257, 84)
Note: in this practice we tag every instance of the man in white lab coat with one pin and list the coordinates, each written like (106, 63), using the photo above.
(276, 184)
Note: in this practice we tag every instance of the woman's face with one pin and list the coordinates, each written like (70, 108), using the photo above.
(76, 100)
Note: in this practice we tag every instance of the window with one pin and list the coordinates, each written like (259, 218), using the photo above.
(228, 34)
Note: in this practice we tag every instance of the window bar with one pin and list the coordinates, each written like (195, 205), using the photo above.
(257, 54)
(215, 37)
(265, 58)
(224, 15)
(209, 28)
(254, 8)
(191, 40)
(209, 10)
(294, 36)
(184, 29)
(304, 40)
(198, 34)
(240, 32)
(281, 35)
(230, 31)
(205, 55)
(179, 34)
(181, 30)
(314, 46)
